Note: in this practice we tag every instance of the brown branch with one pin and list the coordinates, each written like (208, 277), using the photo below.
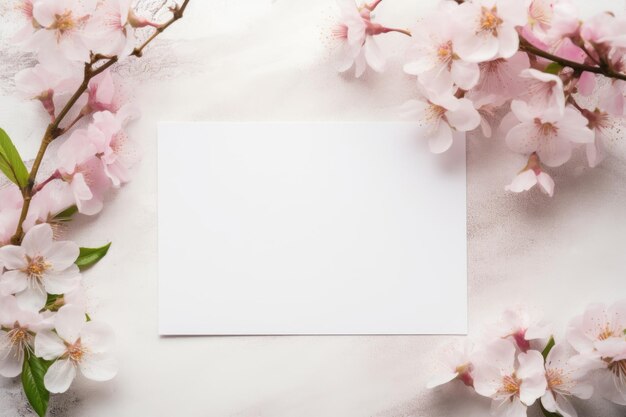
(53, 131)
(576, 66)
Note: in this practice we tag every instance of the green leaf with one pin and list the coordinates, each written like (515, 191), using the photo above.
(548, 348)
(66, 215)
(11, 163)
(90, 256)
(553, 68)
(33, 371)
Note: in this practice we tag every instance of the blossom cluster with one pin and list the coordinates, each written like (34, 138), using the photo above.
(46, 333)
(520, 363)
(531, 71)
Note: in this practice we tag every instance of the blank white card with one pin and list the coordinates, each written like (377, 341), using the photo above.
(309, 228)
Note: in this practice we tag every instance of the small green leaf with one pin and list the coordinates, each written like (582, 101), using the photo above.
(548, 348)
(11, 163)
(553, 68)
(91, 256)
(33, 371)
(66, 215)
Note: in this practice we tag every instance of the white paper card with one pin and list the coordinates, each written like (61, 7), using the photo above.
(309, 228)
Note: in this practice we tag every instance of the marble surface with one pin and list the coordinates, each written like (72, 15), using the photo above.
(262, 60)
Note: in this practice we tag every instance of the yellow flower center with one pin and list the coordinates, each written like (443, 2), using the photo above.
(444, 53)
(76, 352)
(489, 20)
(18, 336)
(64, 22)
(37, 267)
(510, 385)
(554, 378)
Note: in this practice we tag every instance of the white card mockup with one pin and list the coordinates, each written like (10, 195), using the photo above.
(309, 228)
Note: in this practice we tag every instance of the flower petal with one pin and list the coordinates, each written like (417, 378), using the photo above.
(99, 367)
(98, 337)
(59, 376)
(523, 138)
(61, 254)
(11, 357)
(33, 298)
(440, 139)
(37, 239)
(69, 323)
(13, 257)
(48, 345)
(465, 117)
(62, 282)
(12, 282)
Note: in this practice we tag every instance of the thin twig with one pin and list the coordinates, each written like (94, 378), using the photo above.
(53, 130)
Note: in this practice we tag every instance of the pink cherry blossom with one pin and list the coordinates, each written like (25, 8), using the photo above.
(598, 337)
(40, 83)
(487, 28)
(62, 32)
(10, 208)
(565, 379)
(531, 176)
(75, 345)
(540, 14)
(550, 134)
(500, 77)
(433, 56)
(113, 27)
(455, 364)
(518, 326)
(82, 169)
(38, 267)
(565, 21)
(116, 151)
(355, 33)
(543, 91)
(16, 335)
(47, 203)
(102, 94)
(513, 383)
(444, 117)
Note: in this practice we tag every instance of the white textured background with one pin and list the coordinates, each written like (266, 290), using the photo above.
(256, 60)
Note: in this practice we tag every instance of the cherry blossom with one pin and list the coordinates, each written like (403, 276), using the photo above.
(17, 328)
(444, 118)
(500, 77)
(102, 94)
(39, 83)
(543, 91)
(117, 153)
(83, 171)
(455, 363)
(38, 267)
(488, 28)
(532, 175)
(549, 133)
(75, 344)
(433, 56)
(599, 338)
(565, 379)
(518, 325)
(355, 33)
(513, 383)
(62, 31)
(113, 27)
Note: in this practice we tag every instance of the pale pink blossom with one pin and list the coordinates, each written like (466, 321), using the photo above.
(444, 117)
(113, 27)
(47, 203)
(17, 327)
(62, 34)
(599, 337)
(75, 345)
(566, 379)
(103, 94)
(355, 33)
(116, 151)
(487, 28)
(519, 326)
(532, 176)
(82, 169)
(565, 21)
(11, 201)
(543, 91)
(433, 57)
(513, 383)
(549, 133)
(540, 14)
(38, 267)
(501, 77)
(455, 364)
(40, 83)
